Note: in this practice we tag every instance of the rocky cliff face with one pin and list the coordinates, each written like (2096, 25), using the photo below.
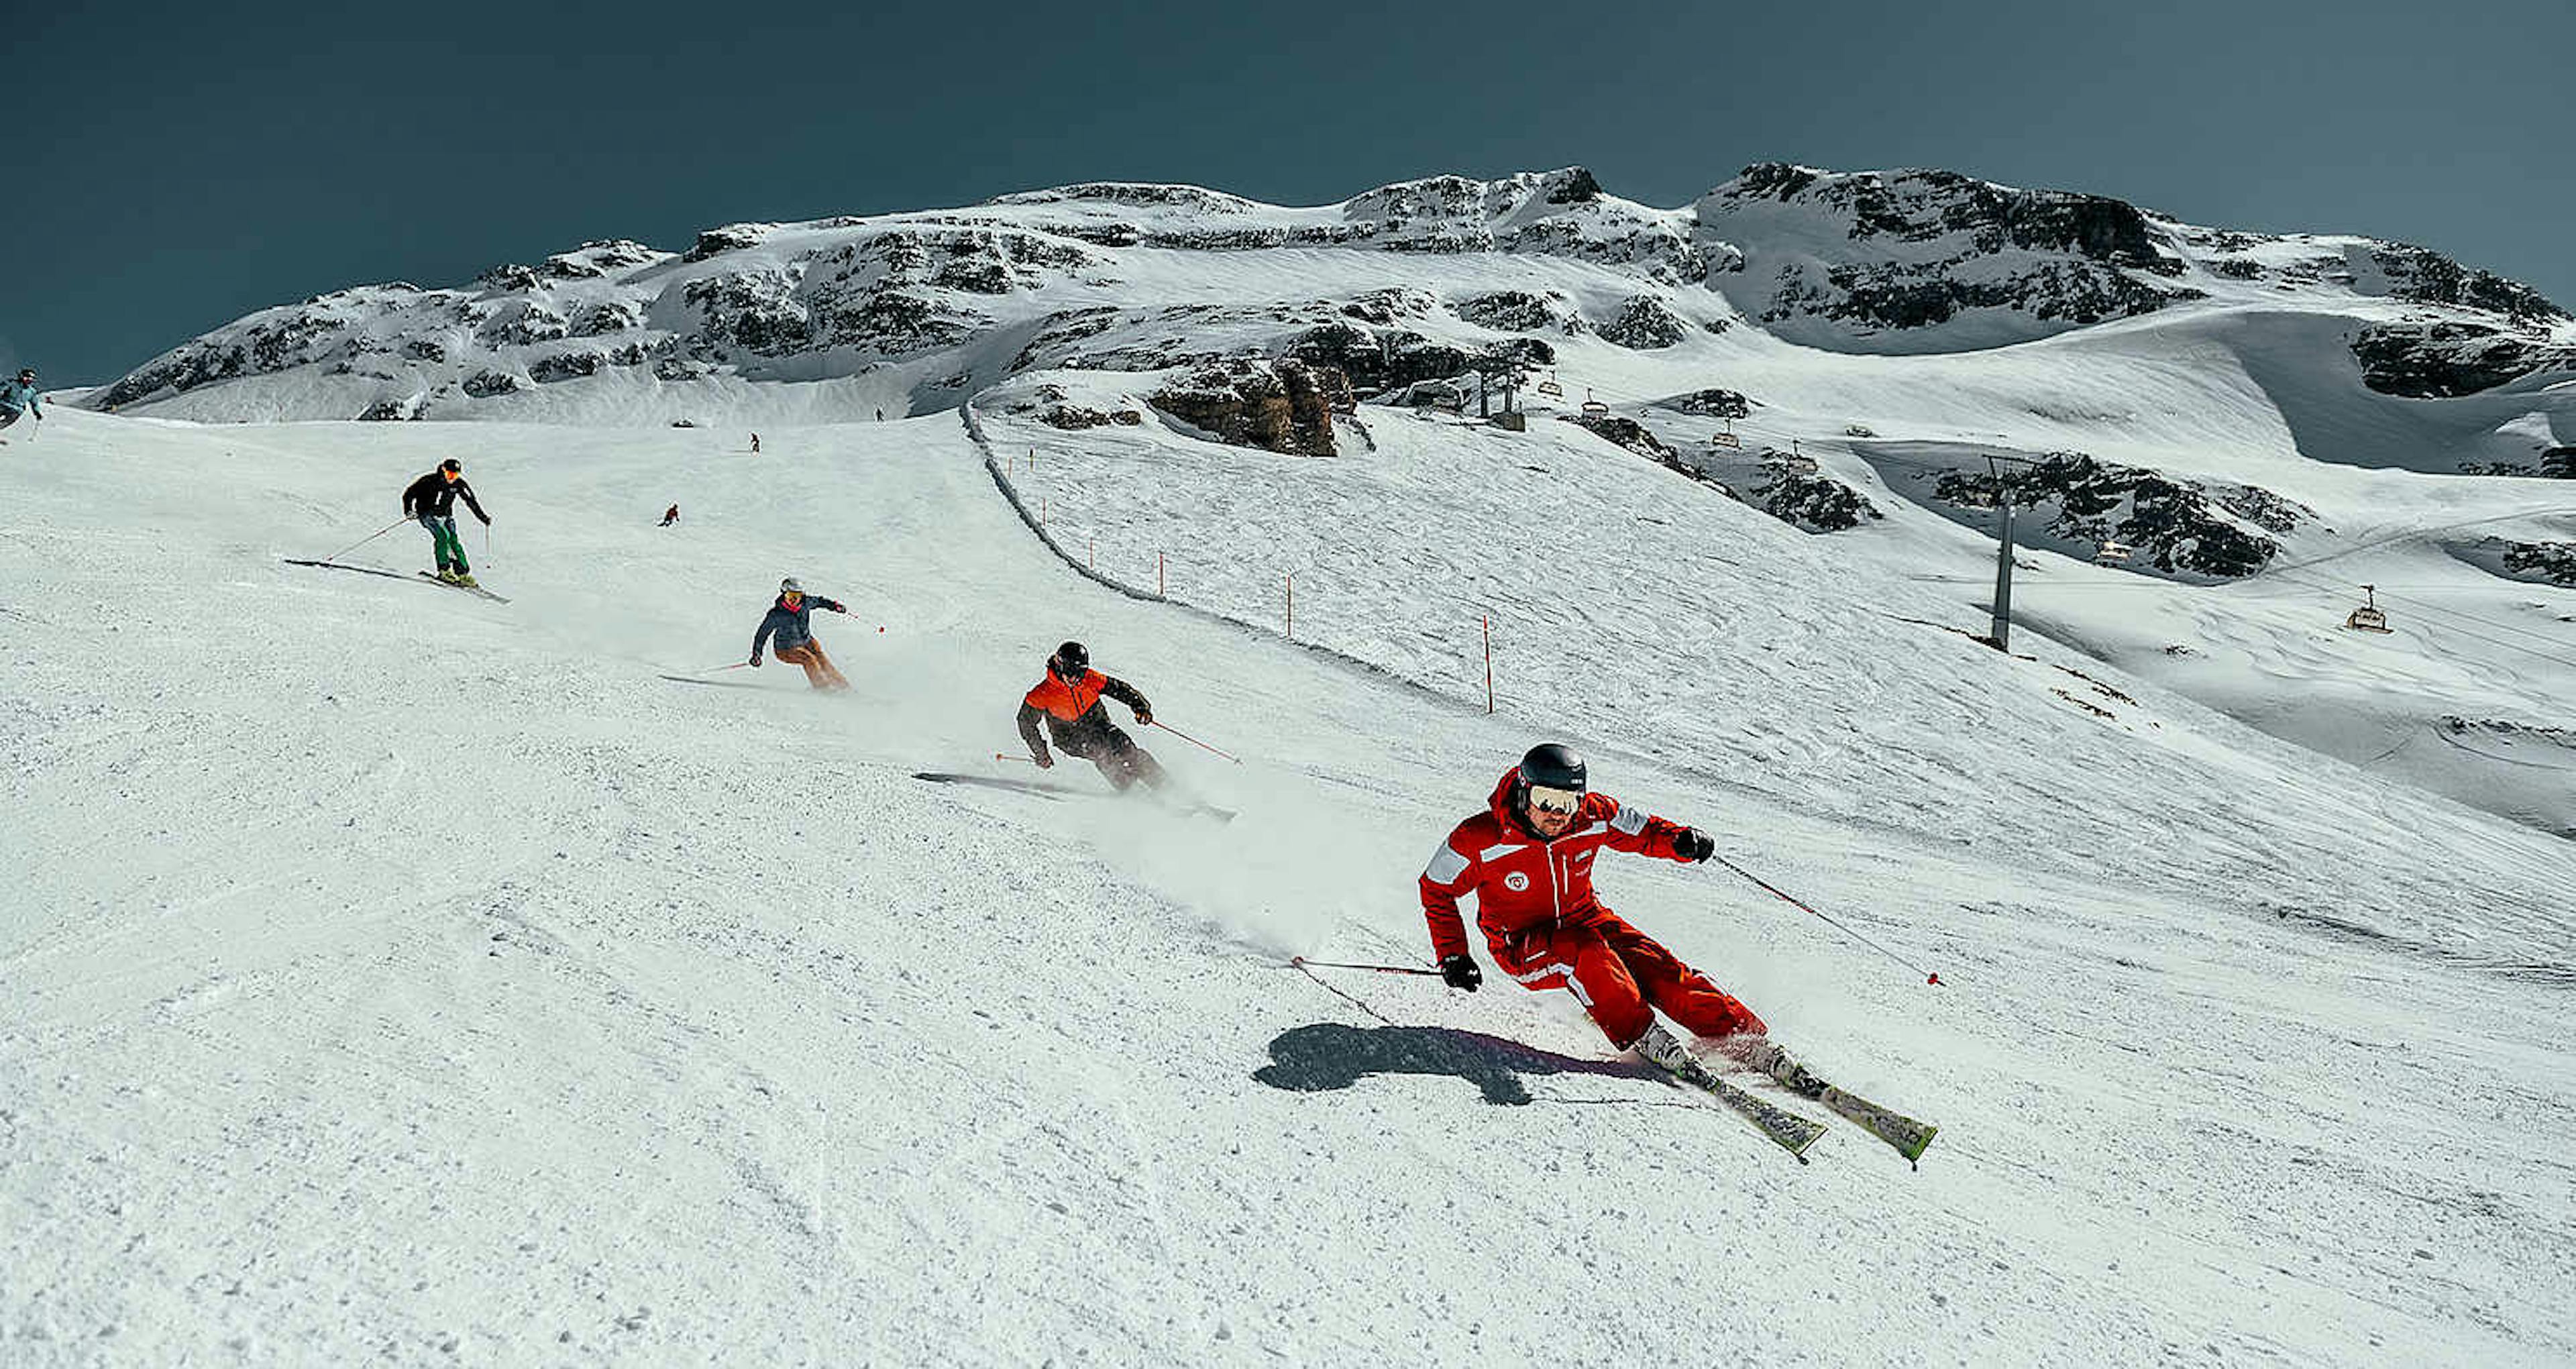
(1286, 406)
(2440, 360)
(1875, 253)
(2193, 527)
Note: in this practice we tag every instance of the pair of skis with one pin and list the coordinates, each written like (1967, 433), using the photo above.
(397, 575)
(1787, 1129)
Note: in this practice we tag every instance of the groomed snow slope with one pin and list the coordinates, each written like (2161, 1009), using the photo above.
(387, 973)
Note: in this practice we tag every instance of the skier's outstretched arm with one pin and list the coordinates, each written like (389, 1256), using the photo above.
(760, 639)
(1642, 833)
(1127, 694)
(467, 492)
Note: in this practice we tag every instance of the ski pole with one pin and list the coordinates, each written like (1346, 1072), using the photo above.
(1929, 977)
(1300, 962)
(353, 546)
(1203, 746)
(1024, 760)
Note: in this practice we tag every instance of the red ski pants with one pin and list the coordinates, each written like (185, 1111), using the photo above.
(1622, 977)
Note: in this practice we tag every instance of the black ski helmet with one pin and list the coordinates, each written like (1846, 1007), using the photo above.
(1071, 659)
(451, 464)
(1549, 765)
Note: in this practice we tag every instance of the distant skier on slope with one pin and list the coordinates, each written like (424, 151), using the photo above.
(671, 516)
(1528, 860)
(432, 500)
(755, 444)
(19, 397)
(1069, 700)
(791, 618)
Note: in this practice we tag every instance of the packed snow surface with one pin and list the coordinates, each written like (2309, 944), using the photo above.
(386, 973)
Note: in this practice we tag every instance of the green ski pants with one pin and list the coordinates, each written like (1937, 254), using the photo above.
(449, 546)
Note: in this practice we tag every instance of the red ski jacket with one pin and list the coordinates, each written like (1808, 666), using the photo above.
(1525, 884)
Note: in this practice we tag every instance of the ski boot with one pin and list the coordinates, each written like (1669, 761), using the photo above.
(465, 578)
(447, 577)
(1760, 1053)
(1662, 1048)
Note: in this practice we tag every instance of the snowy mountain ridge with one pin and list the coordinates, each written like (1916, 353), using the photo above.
(904, 305)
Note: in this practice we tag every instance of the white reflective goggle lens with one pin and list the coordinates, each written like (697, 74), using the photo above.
(1561, 802)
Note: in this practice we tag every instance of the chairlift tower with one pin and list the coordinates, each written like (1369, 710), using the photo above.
(2002, 632)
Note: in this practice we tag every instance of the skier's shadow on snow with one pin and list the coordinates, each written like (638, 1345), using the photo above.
(1336, 1055)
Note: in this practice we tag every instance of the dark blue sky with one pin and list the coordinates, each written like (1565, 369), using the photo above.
(173, 168)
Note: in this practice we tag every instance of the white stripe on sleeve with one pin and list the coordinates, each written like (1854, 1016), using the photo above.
(1629, 820)
(1445, 867)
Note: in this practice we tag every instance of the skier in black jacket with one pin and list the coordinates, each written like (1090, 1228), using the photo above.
(432, 500)
(1069, 699)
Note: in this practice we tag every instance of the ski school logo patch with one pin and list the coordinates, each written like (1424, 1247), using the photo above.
(1517, 883)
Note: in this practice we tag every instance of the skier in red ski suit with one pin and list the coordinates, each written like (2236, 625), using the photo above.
(1528, 860)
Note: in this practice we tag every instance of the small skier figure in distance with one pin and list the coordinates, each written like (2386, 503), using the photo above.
(17, 397)
(755, 444)
(671, 516)
(432, 500)
(791, 617)
(1069, 699)
(1528, 860)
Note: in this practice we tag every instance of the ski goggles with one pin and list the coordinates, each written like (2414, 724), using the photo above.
(792, 597)
(1558, 802)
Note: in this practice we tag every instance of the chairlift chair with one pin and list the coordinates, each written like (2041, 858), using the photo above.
(2113, 549)
(2368, 618)
(1550, 388)
(1724, 440)
(1593, 408)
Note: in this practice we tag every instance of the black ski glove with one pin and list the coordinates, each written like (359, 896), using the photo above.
(1044, 760)
(755, 659)
(1144, 717)
(1694, 845)
(1460, 972)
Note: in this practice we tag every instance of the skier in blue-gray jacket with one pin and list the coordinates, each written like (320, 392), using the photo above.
(19, 396)
(791, 618)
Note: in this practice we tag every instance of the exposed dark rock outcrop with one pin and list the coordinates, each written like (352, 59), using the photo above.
(1282, 406)
(1811, 502)
(1521, 311)
(2427, 276)
(1626, 432)
(1711, 403)
(1920, 247)
(2440, 360)
(1375, 361)
(2172, 525)
(485, 384)
(1644, 324)
(2551, 561)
